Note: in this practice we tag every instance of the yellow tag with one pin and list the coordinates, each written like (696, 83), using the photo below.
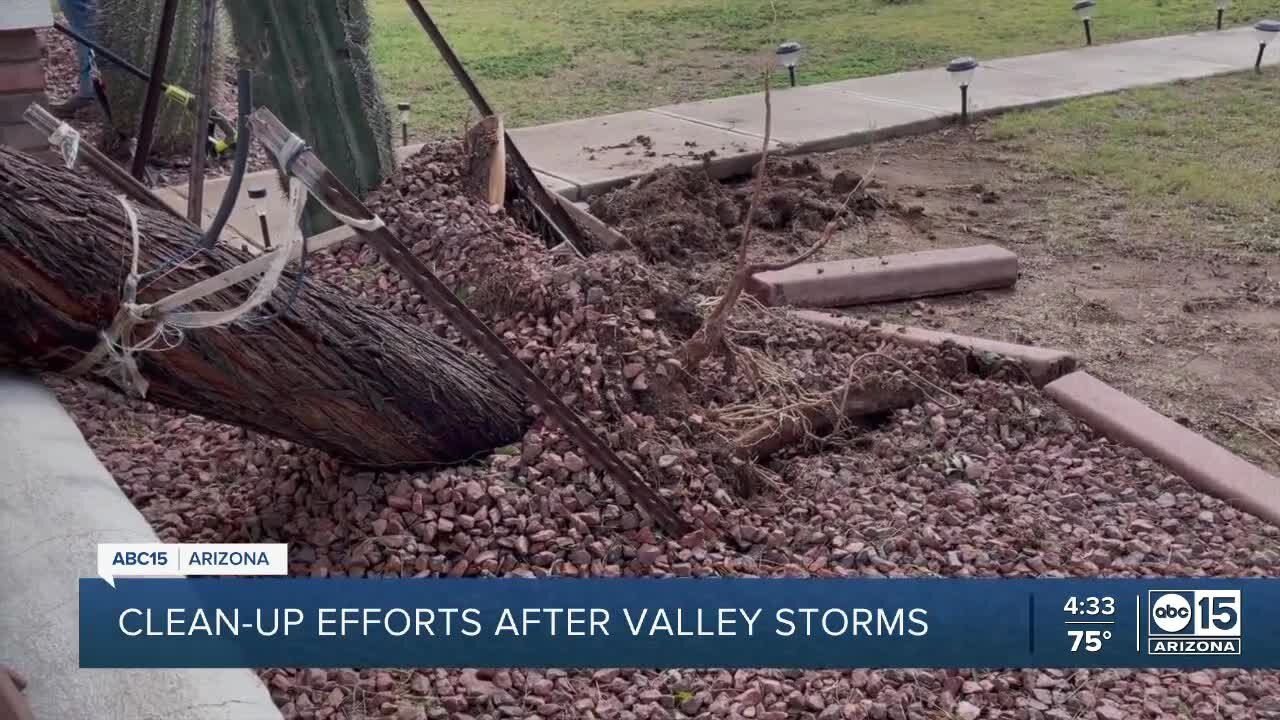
(178, 95)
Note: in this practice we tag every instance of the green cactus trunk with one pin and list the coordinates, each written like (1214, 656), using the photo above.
(129, 28)
(312, 69)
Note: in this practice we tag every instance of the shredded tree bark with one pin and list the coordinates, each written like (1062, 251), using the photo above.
(329, 372)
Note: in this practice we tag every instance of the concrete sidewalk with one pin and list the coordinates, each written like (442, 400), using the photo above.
(852, 112)
(581, 158)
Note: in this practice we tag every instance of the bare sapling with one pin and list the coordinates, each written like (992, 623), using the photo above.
(710, 337)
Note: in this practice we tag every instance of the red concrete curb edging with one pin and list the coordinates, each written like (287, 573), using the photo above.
(1200, 461)
(1044, 365)
(857, 281)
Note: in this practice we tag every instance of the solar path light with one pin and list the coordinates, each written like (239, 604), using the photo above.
(404, 122)
(1222, 8)
(258, 196)
(1266, 31)
(789, 57)
(1084, 11)
(962, 71)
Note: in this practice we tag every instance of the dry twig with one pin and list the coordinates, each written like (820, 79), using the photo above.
(1252, 427)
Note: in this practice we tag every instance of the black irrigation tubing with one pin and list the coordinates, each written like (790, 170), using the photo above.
(244, 89)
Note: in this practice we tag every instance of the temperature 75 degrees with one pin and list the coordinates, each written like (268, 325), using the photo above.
(1089, 640)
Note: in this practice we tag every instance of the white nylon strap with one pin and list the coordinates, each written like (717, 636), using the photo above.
(116, 340)
(261, 293)
(67, 140)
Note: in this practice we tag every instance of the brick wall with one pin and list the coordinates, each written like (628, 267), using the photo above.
(22, 72)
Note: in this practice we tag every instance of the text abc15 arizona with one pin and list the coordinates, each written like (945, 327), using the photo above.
(1193, 622)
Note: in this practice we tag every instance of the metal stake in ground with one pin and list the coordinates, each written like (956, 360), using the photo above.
(151, 106)
(325, 186)
(550, 210)
(258, 196)
(200, 141)
(1222, 8)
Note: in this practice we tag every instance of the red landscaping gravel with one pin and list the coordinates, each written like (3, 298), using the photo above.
(988, 479)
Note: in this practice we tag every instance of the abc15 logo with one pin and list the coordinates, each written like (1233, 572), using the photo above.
(1194, 613)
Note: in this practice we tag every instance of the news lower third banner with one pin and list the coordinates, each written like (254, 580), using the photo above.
(684, 623)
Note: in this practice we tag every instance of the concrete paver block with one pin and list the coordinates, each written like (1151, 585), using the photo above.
(173, 199)
(858, 281)
(1043, 365)
(812, 119)
(1200, 461)
(587, 152)
(242, 226)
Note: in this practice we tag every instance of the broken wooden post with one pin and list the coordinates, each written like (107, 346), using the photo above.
(324, 186)
(485, 173)
(526, 181)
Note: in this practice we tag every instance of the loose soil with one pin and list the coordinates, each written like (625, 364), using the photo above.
(679, 214)
(1188, 326)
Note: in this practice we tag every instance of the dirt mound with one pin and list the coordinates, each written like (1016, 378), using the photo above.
(675, 214)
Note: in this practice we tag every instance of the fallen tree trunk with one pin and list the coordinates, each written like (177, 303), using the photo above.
(330, 373)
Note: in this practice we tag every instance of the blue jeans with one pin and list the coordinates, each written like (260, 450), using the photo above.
(81, 16)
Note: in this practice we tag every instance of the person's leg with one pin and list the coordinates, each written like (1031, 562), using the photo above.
(81, 17)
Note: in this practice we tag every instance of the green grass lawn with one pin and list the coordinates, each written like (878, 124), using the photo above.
(544, 60)
(1200, 153)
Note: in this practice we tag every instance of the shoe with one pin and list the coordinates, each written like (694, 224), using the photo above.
(71, 107)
